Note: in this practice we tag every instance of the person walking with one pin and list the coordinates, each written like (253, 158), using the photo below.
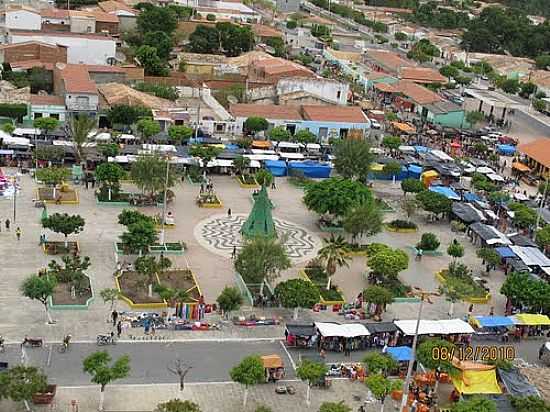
(7, 223)
(234, 253)
(118, 329)
(18, 233)
(273, 184)
(229, 212)
(114, 317)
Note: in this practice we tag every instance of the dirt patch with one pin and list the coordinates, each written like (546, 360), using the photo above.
(134, 290)
(46, 193)
(180, 279)
(62, 295)
(57, 248)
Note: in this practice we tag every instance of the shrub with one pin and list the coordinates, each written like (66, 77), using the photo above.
(428, 241)
(374, 248)
(402, 224)
(457, 226)
(210, 17)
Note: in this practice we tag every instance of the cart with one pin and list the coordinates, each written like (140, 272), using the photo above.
(274, 368)
(46, 397)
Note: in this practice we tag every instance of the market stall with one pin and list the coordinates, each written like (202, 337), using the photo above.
(299, 335)
(342, 337)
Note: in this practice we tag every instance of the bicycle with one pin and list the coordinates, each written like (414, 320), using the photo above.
(63, 347)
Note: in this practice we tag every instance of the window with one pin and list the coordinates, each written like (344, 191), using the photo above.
(219, 127)
(338, 94)
(37, 115)
(82, 100)
(89, 29)
(54, 116)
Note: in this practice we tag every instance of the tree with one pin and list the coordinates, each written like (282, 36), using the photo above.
(8, 128)
(380, 363)
(130, 216)
(392, 169)
(181, 369)
(490, 257)
(241, 163)
(527, 89)
(353, 159)
(510, 86)
(542, 237)
(45, 124)
(400, 36)
(64, 223)
(152, 64)
(334, 407)
(455, 250)
(40, 288)
(449, 71)
(98, 365)
(411, 185)
(108, 150)
(433, 202)
(149, 174)
(79, 129)
(474, 118)
(148, 267)
(230, 299)
(455, 290)
(409, 206)
(20, 383)
(176, 405)
(543, 61)
(522, 291)
(379, 296)
(392, 143)
(234, 39)
(249, 372)
(204, 40)
(335, 196)
(180, 134)
(296, 294)
(254, 124)
(110, 295)
(311, 372)
(435, 354)
(161, 41)
(148, 127)
(381, 387)
(127, 115)
(524, 217)
(334, 253)
(155, 19)
(529, 404)
(304, 136)
(475, 404)
(53, 176)
(539, 105)
(204, 153)
(279, 133)
(428, 241)
(386, 264)
(363, 219)
(261, 259)
(263, 177)
(109, 174)
(140, 236)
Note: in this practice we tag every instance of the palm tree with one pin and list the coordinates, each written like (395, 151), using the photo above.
(172, 296)
(79, 129)
(335, 254)
(240, 164)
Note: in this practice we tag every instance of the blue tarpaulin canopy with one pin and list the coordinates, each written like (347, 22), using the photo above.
(415, 171)
(276, 167)
(471, 197)
(445, 191)
(506, 149)
(421, 149)
(494, 321)
(505, 252)
(311, 168)
(400, 353)
(232, 147)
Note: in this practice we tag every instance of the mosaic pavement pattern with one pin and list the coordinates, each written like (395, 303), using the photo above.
(219, 233)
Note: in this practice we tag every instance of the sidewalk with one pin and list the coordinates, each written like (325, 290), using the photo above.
(215, 397)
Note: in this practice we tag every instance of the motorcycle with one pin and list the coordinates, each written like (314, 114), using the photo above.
(103, 340)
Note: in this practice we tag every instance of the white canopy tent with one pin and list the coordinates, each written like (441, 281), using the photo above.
(434, 327)
(485, 170)
(259, 157)
(531, 256)
(346, 330)
(293, 156)
(19, 141)
(441, 155)
(495, 178)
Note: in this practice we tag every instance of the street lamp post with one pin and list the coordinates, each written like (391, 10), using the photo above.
(424, 295)
(164, 203)
(14, 198)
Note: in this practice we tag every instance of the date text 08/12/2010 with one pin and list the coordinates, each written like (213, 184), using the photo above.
(481, 353)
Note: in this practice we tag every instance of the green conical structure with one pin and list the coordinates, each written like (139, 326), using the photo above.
(260, 220)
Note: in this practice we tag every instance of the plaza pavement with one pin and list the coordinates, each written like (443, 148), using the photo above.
(20, 258)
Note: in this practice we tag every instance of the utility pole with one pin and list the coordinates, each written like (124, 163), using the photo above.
(14, 198)
(162, 232)
(424, 296)
(542, 201)
(198, 115)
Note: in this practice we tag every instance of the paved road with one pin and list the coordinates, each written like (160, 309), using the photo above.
(211, 361)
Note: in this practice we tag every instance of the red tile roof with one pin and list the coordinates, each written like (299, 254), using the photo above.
(46, 100)
(76, 78)
(419, 94)
(61, 34)
(422, 75)
(54, 13)
(385, 87)
(349, 114)
(388, 59)
(29, 64)
(268, 111)
(537, 150)
(111, 6)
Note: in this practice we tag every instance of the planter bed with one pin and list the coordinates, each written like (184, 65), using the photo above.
(121, 199)
(391, 228)
(214, 204)
(327, 297)
(135, 295)
(62, 299)
(169, 248)
(329, 228)
(52, 247)
(300, 182)
(357, 250)
(182, 279)
(68, 197)
(398, 290)
(249, 183)
(383, 205)
(193, 182)
(482, 297)
(426, 252)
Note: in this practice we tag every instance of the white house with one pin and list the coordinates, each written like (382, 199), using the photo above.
(329, 91)
(23, 18)
(225, 10)
(92, 49)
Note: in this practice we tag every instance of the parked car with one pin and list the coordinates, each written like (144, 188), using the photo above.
(374, 124)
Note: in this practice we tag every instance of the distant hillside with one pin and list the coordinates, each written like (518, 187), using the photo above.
(533, 7)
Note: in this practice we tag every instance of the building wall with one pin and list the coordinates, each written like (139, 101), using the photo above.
(333, 91)
(81, 50)
(231, 16)
(82, 24)
(102, 77)
(102, 26)
(74, 102)
(199, 69)
(23, 20)
(127, 23)
(288, 6)
(34, 52)
(451, 119)
(326, 130)
(56, 27)
(48, 110)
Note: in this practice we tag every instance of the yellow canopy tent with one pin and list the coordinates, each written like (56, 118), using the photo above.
(261, 144)
(272, 361)
(530, 319)
(520, 167)
(403, 127)
(474, 378)
(428, 177)
(376, 167)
